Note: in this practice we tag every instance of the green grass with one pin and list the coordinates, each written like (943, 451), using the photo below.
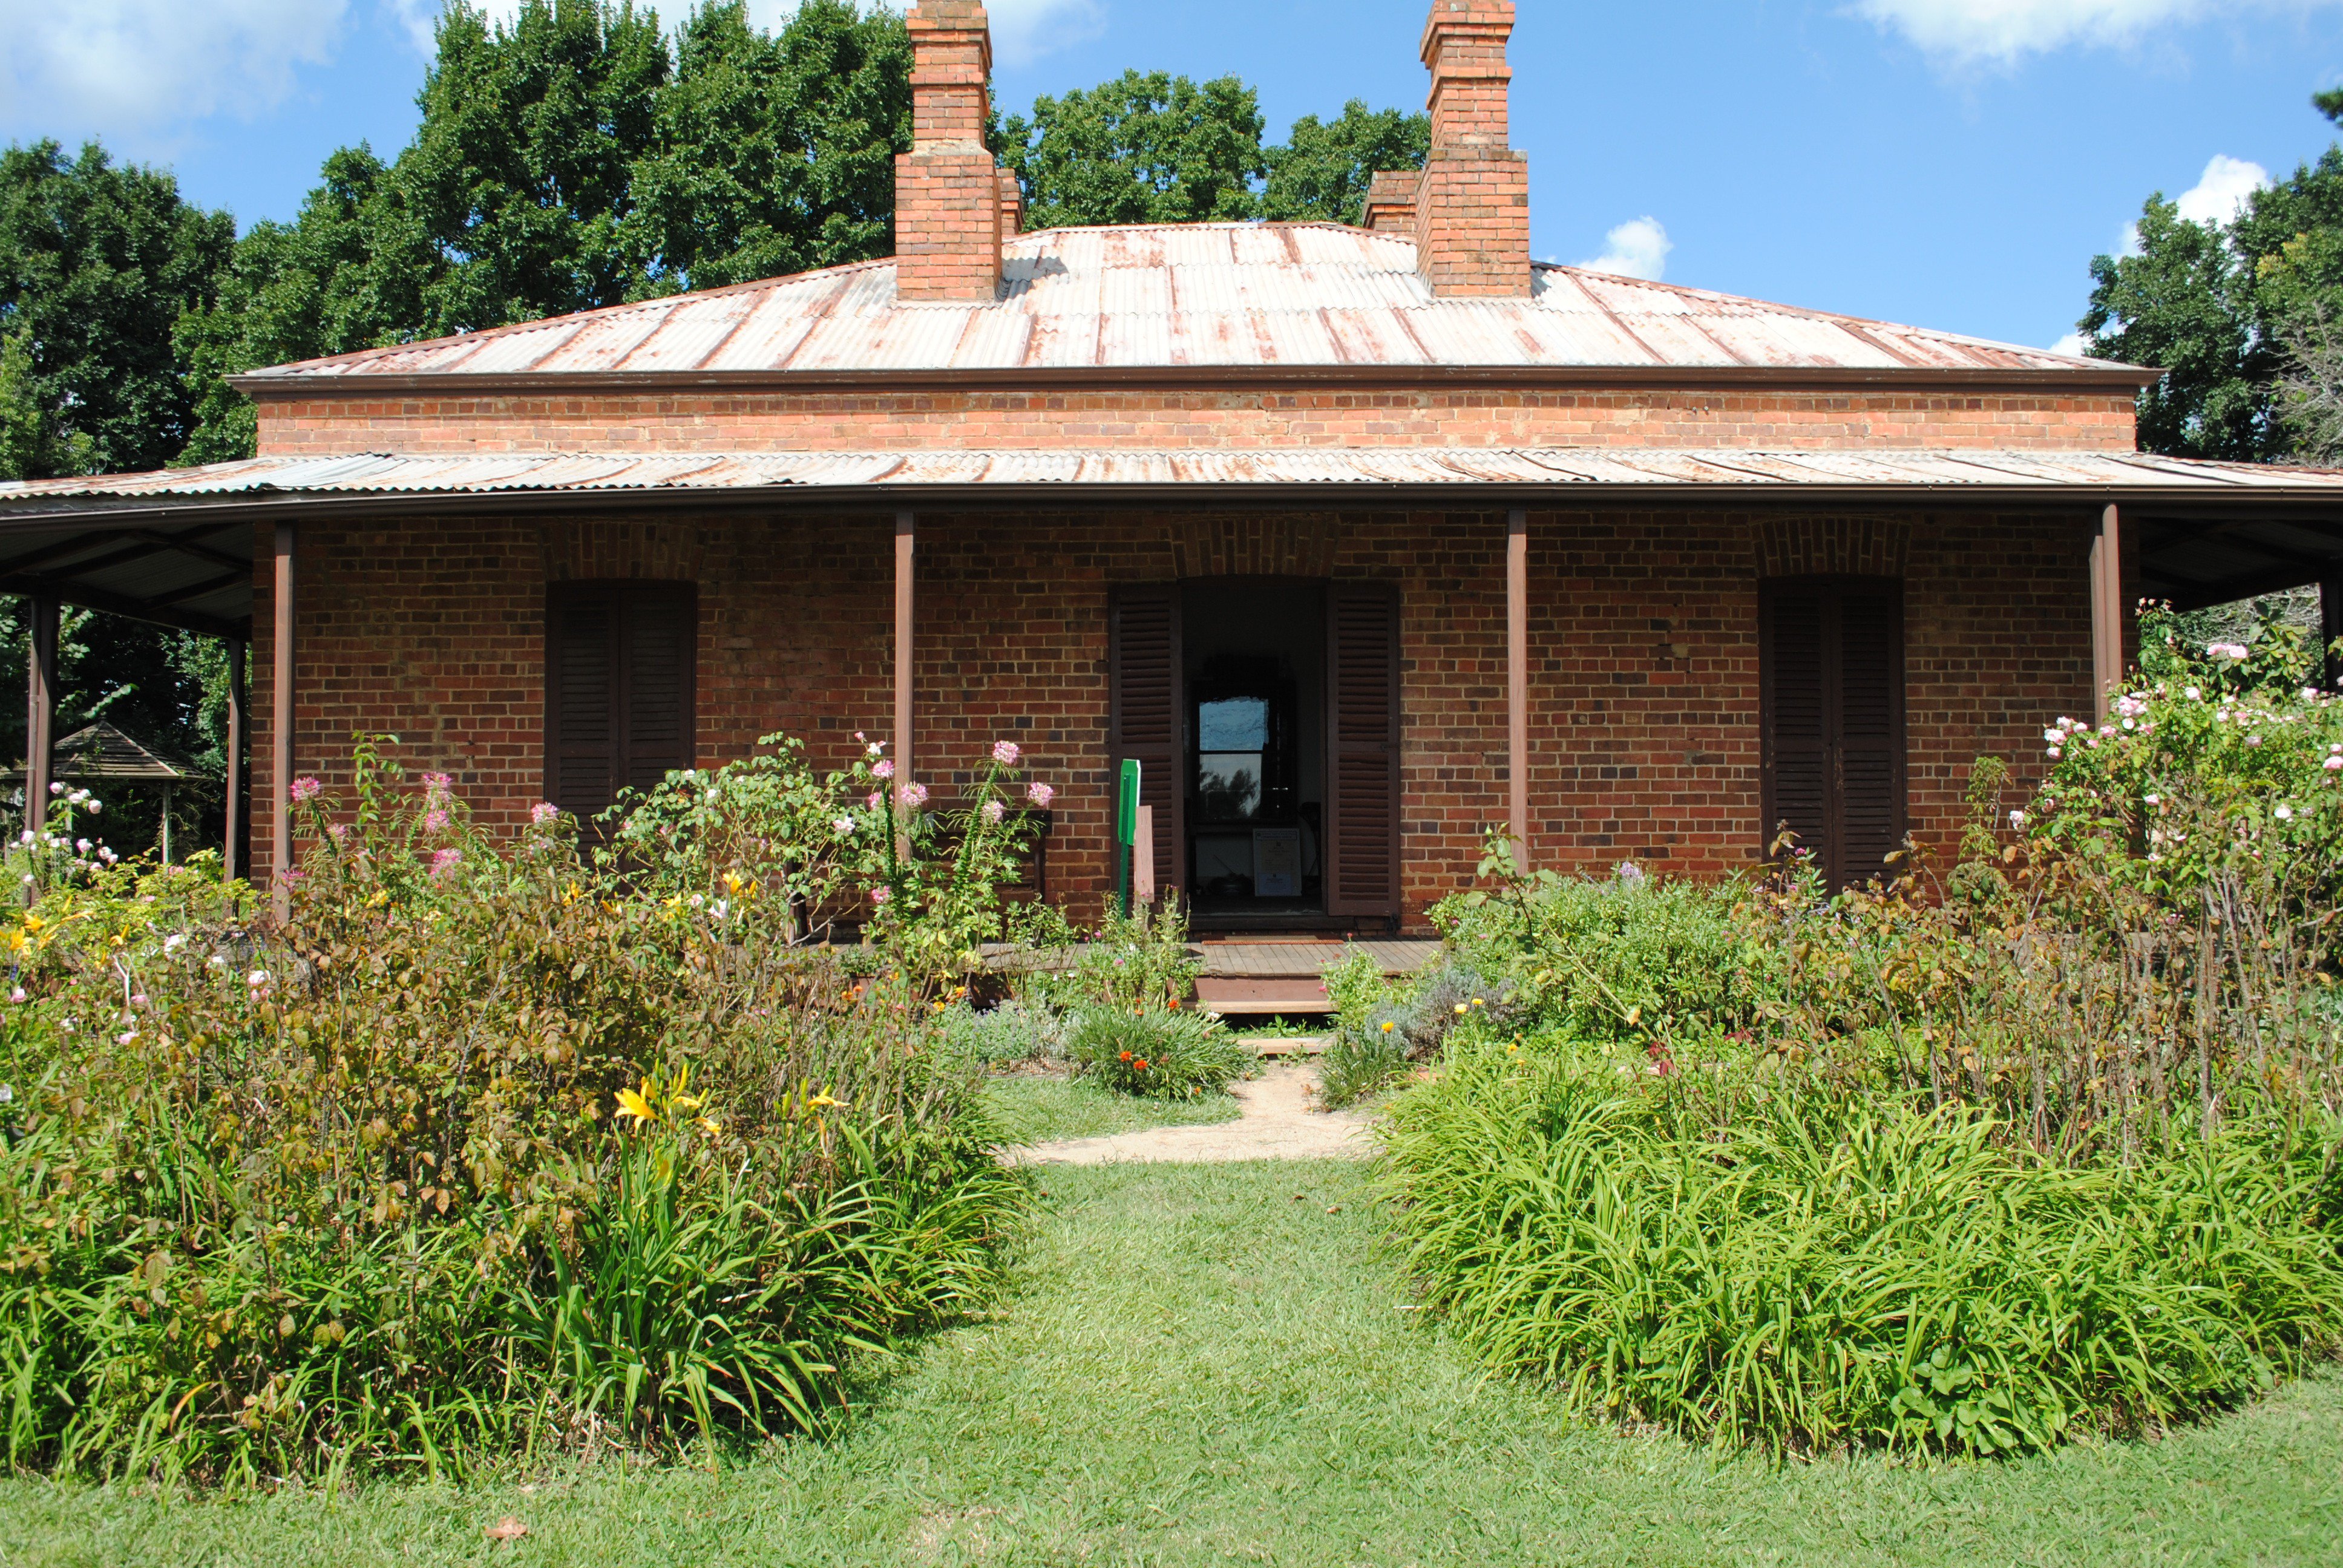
(1204, 1365)
(1042, 1108)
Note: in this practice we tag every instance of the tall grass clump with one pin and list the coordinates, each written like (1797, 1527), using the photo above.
(1974, 1159)
(487, 1147)
(1816, 1271)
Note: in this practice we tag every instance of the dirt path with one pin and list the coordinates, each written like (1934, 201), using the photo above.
(1277, 1124)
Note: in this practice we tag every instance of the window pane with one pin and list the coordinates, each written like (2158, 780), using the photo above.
(1234, 724)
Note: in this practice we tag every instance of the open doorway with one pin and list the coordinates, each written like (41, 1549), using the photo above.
(1254, 667)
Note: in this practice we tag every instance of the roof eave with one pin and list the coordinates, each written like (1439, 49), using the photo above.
(275, 386)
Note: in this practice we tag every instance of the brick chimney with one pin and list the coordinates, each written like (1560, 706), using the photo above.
(1472, 202)
(948, 191)
(1391, 202)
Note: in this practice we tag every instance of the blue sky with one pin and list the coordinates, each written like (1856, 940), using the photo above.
(1954, 163)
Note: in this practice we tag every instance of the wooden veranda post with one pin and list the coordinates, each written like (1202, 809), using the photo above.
(280, 731)
(231, 851)
(905, 536)
(2106, 612)
(1517, 684)
(40, 710)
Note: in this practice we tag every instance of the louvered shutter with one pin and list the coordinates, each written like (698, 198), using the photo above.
(1832, 720)
(1796, 734)
(657, 644)
(1870, 782)
(619, 709)
(1363, 751)
(1144, 702)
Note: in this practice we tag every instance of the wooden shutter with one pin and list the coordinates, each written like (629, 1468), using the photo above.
(1832, 673)
(618, 697)
(1363, 721)
(1145, 703)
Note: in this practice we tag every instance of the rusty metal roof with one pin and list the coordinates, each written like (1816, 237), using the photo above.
(1562, 469)
(1231, 297)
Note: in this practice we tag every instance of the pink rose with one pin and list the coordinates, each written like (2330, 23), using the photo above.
(1040, 794)
(1005, 753)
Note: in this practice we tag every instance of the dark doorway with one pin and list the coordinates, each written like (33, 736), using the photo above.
(1831, 720)
(1253, 738)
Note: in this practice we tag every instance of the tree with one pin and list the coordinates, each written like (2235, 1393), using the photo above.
(1146, 147)
(2232, 314)
(97, 265)
(1323, 169)
(776, 153)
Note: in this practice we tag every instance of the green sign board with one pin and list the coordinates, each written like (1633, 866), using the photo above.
(1126, 831)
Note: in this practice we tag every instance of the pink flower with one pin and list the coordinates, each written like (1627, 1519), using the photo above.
(445, 861)
(1040, 794)
(1005, 753)
(307, 788)
(883, 768)
(913, 796)
(879, 896)
(876, 800)
(437, 783)
(544, 813)
(339, 832)
(995, 811)
(2333, 764)
(435, 821)
(17, 995)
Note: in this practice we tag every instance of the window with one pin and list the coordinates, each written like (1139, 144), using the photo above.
(619, 666)
(1831, 661)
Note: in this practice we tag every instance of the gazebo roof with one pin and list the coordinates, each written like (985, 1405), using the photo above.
(103, 752)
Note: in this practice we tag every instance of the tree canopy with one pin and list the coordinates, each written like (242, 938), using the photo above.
(2239, 315)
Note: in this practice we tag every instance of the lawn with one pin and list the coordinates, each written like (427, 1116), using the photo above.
(1045, 1107)
(1211, 1364)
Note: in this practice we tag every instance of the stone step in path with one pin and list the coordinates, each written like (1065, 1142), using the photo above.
(1278, 1123)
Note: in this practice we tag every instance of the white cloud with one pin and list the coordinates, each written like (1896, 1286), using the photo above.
(128, 67)
(2072, 343)
(1636, 249)
(2221, 190)
(2002, 32)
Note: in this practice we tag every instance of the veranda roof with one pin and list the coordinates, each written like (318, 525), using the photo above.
(176, 546)
(103, 752)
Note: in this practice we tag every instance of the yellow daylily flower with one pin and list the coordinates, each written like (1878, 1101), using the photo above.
(631, 1103)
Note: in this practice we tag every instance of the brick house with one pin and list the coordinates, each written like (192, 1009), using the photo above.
(1362, 539)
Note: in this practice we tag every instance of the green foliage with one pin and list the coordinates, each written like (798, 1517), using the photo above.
(1138, 960)
(351, 1190)
(1324, 170)
(2230, 313)
(1156, 1053)
(97, 265)
(1814, 1271)
(1146, 147)
(1001, 1035)
(1380, 1025)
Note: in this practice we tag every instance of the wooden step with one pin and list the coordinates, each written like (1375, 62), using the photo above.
(1261, 996)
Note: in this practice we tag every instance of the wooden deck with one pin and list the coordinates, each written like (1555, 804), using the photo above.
(1274, 979)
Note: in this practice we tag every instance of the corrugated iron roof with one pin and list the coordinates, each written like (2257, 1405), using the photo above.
(1562, 467)
(1234, 296)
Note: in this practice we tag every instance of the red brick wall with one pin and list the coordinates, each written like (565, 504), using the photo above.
(1231, 420)
(1643, 634)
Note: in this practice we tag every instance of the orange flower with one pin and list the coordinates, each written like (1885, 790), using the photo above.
(1173, 1004)
(1142, 1064)
(1126, 1056)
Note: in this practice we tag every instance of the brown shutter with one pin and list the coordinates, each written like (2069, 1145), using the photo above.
(1795, 737)
(1145, 698)
(1362, 717)
(658, 641)
(619, 709)
(1831, 658)
(1870, 782)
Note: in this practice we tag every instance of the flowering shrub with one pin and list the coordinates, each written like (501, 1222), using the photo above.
(1160, 1053)
(411, 1178)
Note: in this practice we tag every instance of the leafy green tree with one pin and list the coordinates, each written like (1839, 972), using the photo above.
(1146, 147)
(776, 153)
(2232, 314)
(1323, 169)
(97, 263)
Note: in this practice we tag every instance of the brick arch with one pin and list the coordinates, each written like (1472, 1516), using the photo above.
(626, 547)
(1832, 547)
(1258, 546)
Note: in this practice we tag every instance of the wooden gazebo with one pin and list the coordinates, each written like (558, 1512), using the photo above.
(103, 755)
